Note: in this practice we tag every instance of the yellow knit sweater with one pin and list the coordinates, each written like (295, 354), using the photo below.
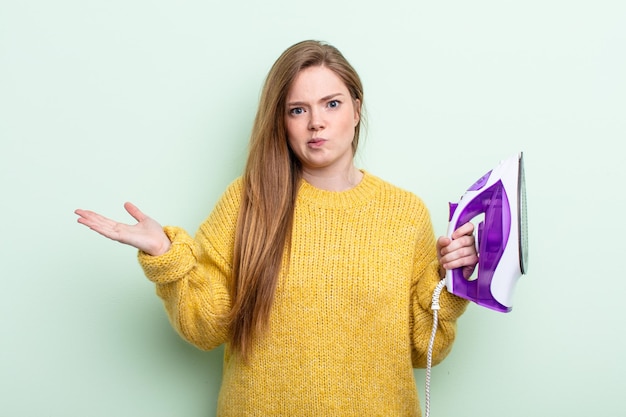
(351, 315)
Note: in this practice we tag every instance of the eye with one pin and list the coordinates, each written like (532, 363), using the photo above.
(333, 104)
(296, 111)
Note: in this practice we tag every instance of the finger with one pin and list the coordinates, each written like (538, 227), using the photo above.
(465, 243)
(135, 212)
(87, 217)
(83, 213)
(466, 229)
(453, 256)
(100, 224)
(442, 242)
(469, 260)
(462, 236)
(463, 246)
(468, 271)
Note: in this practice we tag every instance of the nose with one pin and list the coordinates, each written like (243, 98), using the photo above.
(316, 121)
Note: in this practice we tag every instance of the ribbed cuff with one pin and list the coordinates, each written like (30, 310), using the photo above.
(173, 264)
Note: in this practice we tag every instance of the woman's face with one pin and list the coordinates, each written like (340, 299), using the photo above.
(321, 118)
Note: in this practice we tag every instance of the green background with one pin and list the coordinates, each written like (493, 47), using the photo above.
(103, 102)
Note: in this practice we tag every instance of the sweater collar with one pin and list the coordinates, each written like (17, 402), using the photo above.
(354, 197)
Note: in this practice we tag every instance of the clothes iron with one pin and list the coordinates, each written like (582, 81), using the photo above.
(499, 197)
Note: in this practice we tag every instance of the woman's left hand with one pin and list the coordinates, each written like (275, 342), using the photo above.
(458, 251)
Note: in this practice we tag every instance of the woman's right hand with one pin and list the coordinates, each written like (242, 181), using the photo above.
(147, 235)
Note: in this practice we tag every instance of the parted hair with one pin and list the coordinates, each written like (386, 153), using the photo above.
(270, 184)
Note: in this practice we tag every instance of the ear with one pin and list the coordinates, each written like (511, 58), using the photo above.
(357, 111)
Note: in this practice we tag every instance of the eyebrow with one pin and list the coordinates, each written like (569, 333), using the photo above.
(325, 98)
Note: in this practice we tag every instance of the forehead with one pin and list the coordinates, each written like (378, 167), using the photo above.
(315, 83)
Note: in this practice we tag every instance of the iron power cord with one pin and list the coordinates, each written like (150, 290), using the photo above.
(429, 360)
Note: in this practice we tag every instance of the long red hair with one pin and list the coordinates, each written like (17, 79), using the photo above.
(270, 186)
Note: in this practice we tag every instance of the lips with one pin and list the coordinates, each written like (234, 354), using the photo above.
(316, 142)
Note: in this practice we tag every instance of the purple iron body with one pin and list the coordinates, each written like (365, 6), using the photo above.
(502, 242)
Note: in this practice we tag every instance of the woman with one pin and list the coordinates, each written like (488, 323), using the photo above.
(318, 276)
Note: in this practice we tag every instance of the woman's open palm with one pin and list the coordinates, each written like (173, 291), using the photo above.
(147, 235)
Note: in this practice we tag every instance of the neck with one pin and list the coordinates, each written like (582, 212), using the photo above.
(333, 180)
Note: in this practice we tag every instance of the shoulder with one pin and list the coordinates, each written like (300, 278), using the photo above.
(393, 194)
(401, 205)
(223, 218)
(230, 199)
(234, 190)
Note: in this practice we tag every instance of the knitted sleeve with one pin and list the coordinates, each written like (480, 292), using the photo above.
(193, 277)
(426, 278)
